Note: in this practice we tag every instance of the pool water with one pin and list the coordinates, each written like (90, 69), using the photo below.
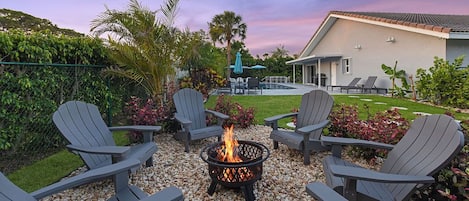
(274, 86)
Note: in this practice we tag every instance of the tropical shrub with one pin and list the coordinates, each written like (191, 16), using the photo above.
(148, 112)
(445, 83)
(385, 127)
(238, 116)
(203, 80)
(396, 74)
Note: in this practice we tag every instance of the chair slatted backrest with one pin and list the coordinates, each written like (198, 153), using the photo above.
(430, 144)
(315, 107)
(354, 82)
(82, 125)
(370, 82)
(189, 103)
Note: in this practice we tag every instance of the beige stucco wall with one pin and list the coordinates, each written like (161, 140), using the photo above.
(411, 50)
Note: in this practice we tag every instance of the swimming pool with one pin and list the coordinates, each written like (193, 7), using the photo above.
(274, 86)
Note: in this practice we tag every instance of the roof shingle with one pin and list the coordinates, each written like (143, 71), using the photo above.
(434, 22)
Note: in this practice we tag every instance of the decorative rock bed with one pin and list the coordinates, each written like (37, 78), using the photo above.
(284, 176)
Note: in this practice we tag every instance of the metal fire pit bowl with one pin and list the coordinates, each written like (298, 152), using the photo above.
(236, 174)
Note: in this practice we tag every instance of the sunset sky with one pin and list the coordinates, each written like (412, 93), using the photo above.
(271, 23)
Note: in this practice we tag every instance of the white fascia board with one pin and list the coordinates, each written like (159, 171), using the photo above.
(321, 32)
(396, 26)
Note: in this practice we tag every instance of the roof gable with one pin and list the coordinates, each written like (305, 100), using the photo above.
(443, 26)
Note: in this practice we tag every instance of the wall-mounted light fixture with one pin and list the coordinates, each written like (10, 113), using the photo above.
(358, 47)
(391, 39)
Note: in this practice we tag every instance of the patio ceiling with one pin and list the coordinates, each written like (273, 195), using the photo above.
(312, 59)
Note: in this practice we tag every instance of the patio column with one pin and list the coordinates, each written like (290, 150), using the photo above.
(319, 73)
(303, 70)
(294, 73)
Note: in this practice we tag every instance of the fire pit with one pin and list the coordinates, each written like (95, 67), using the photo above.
(235, 164)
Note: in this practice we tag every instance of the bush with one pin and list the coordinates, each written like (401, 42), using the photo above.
(238, 115)
(203, 80)
(445, 84)
(385, 127)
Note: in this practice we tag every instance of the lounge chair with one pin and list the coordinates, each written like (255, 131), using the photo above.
(428, 146)
(367, 87)
(310, 121)
(89, 136)
(191, 115)
(119, 171)
(353, 83)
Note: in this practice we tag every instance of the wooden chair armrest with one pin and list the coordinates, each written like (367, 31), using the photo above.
(326, 140)
(217, 114)
(338, 142)
(311, 128)
(181, 119)
(321, 192)
(86, 177)
(357, 173)
(143, 128)
(274, 119)
(111, 150)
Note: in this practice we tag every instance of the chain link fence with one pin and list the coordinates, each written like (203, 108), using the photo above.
(29, 95)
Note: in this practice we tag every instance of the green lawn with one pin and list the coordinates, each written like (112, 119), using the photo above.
(266, 106)
(57, 166)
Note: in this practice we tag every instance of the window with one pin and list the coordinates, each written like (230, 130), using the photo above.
(346, 65)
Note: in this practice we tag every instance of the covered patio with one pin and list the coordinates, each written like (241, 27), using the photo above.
(319, 70)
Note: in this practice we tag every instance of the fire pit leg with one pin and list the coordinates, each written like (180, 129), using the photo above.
(248, 192)
(212, 187)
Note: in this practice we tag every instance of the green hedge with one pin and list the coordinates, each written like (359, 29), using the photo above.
(38, 72)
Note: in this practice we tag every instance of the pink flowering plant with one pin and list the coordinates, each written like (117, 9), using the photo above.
(385, 127)
(144, 112)
(238, 115)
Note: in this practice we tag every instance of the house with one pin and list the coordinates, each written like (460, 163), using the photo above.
(355, 44)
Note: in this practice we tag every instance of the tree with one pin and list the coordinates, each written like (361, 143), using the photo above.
(145, 47)
(200, 54)
(280, 52)
(224, 28)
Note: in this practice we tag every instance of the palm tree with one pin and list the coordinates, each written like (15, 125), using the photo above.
(144, 46)
(224, 28)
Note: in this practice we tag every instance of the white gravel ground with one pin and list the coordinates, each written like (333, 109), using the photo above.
(284, 176)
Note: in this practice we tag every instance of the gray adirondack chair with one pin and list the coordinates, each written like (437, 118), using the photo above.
(89, 136)
(191, 115)
(10, 191)
(429, 145)
(310, 120)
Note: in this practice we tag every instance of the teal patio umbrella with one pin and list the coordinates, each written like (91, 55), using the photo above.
(258, 67)
(238, 67)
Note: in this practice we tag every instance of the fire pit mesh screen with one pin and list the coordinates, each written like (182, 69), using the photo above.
(236, 174)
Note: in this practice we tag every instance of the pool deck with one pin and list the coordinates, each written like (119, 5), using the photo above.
(299, 89)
